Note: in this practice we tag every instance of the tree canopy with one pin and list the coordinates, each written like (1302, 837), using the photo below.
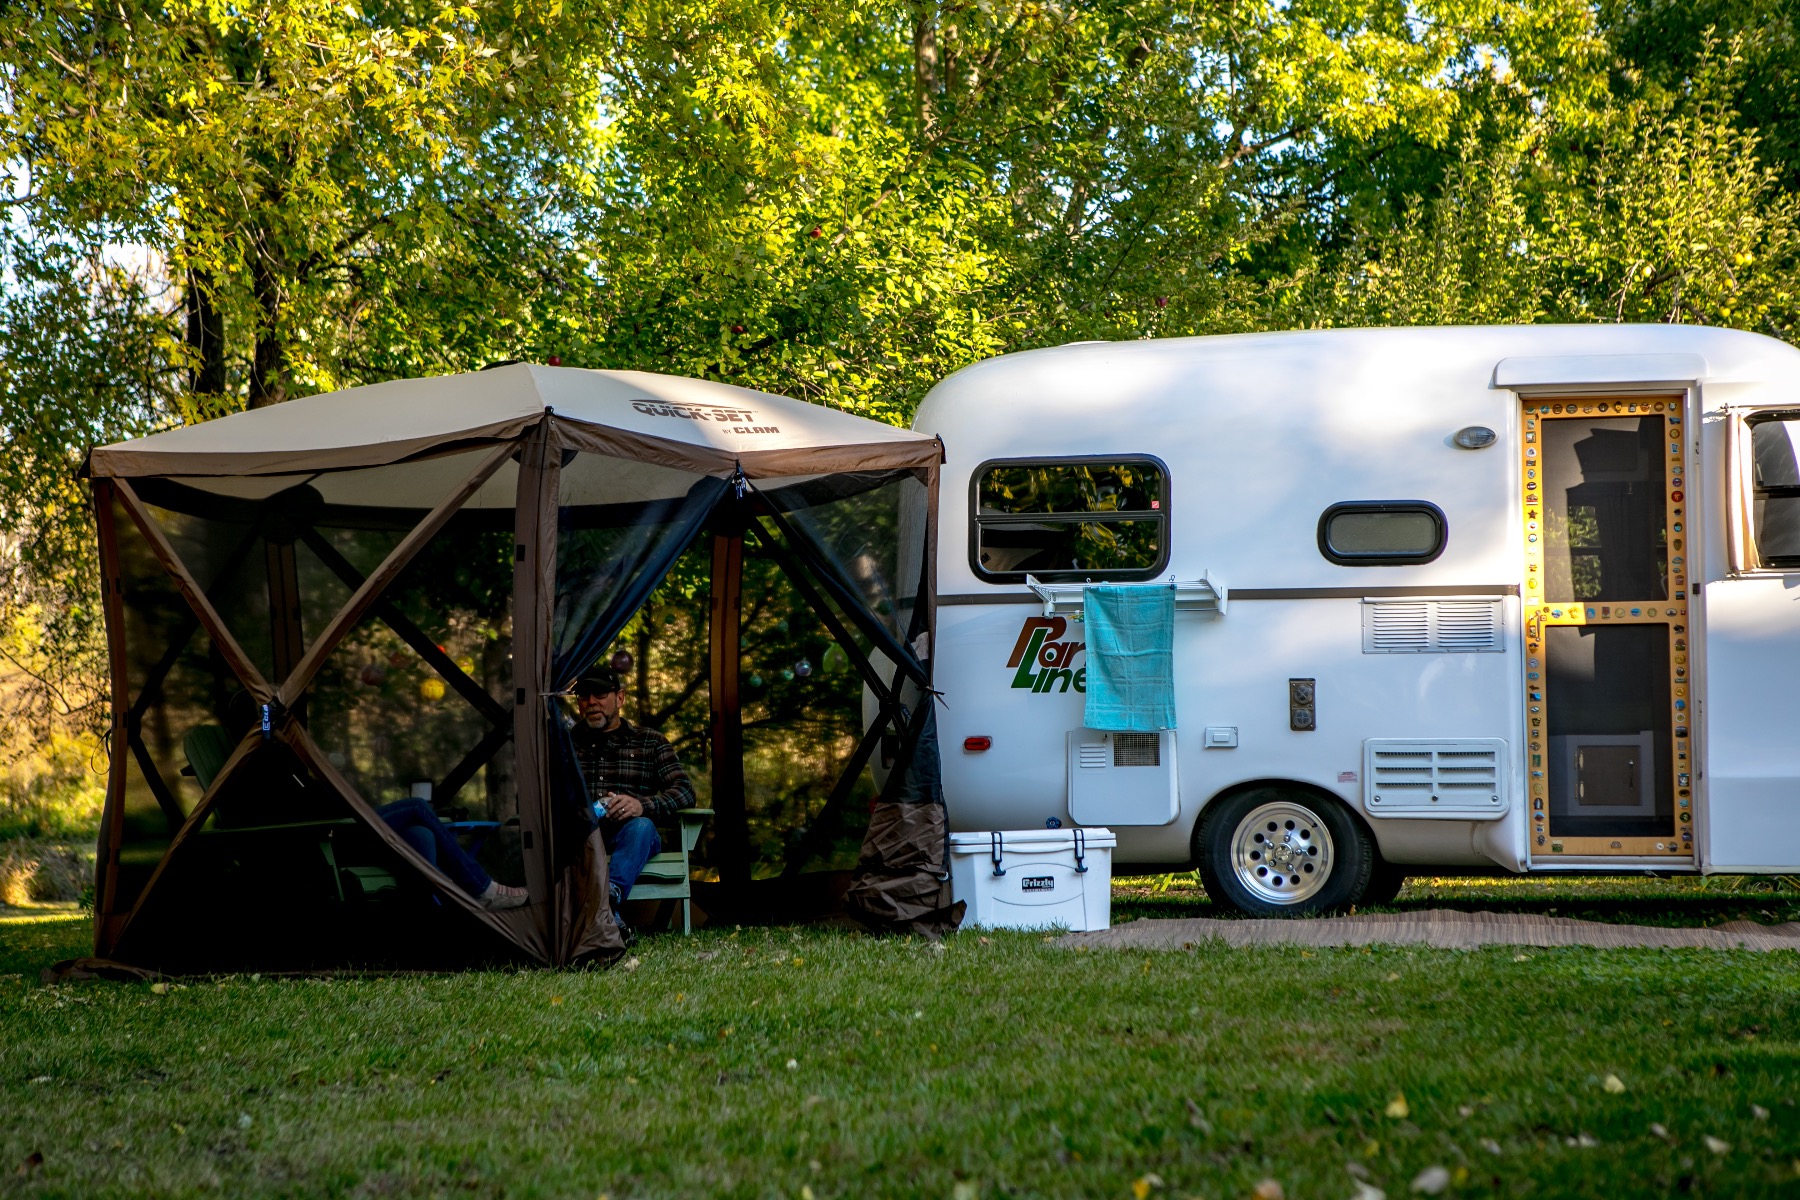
(213, 206)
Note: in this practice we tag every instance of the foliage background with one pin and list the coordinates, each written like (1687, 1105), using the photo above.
(211, 207)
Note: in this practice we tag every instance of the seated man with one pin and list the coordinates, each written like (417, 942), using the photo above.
(632, 776)
(414, 821)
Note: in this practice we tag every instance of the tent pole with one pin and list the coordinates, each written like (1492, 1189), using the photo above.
(106, 882)
(731, 821)
(222, 638)
(531, 652)
(286, 637)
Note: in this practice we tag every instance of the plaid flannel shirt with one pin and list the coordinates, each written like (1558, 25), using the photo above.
(637, 762)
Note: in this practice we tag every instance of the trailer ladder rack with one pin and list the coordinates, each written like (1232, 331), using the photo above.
(1065, 599)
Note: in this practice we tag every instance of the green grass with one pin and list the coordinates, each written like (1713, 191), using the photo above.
(1004, 1066)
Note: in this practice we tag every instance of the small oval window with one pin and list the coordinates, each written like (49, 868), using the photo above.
(1382, 533)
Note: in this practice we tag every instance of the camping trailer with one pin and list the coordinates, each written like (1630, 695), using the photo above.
(1512, 599)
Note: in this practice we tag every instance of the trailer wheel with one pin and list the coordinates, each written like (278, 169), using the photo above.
(1282, 852)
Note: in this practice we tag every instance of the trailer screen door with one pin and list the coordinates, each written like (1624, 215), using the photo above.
(1606, 628)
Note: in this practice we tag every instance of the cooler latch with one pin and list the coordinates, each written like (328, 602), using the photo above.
(996, 846)
(1080, 851)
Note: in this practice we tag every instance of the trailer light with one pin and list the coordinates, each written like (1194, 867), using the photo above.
(1474, 437)
(975, 745)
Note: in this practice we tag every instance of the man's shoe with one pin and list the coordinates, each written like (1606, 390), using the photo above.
(627, 934)
(499, 897)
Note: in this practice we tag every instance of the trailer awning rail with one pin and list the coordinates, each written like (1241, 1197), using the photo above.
(1065, 599)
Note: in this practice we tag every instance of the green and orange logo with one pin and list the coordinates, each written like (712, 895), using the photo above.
(1041, 660)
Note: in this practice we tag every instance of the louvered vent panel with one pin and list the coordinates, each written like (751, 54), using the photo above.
(1458, 779)
(1092, 754)
(1136, 750)
(1431, 626)
(1396, 627)
(1468, 625)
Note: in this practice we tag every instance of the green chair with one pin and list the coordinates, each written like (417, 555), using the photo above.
(207, 747)
(667, 875)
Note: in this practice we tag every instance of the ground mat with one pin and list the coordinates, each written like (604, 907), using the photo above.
(1446, 929)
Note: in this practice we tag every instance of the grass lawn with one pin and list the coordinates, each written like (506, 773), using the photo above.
(776, 1062)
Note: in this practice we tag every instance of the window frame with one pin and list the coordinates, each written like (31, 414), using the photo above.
(1382, 506)
(1135, 575)
(1746, 553)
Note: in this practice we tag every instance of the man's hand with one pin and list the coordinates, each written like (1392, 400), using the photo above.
(620, 807)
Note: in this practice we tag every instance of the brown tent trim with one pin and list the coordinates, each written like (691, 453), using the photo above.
(516, 926)
(195, 595)
(756, 464)
(383, 575)
(531, 637)
(194, 820)
(123, 462)
(724, 688)
(246, 672)
(112, 604)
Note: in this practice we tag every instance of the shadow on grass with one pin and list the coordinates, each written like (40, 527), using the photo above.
(1625, 900)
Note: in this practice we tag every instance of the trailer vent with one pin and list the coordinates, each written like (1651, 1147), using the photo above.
(1102, 791)
(1431, 626)
(1459, 779)
(1137, 750)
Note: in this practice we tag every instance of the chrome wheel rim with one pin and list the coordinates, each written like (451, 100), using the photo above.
(1282, 852)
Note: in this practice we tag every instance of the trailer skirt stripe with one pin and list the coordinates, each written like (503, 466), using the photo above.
(1315, 593)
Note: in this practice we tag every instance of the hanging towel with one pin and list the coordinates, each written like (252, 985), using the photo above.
(1130, 657)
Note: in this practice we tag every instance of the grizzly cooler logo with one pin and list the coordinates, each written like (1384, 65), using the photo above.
(741, 420)
(1042, 661)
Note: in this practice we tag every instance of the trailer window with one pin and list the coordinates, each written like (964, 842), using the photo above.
(1775, 446)
(1381, 533)
(1094, 518)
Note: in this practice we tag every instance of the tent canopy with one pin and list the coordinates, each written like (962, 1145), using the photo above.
(687, 424)
(318, 608)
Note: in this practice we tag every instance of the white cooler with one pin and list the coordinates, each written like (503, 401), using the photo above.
(1034, 878)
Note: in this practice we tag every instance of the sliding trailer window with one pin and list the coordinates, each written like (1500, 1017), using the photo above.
(1775, 488)
(1070, 518)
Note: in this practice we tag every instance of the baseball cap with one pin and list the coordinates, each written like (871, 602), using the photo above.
(598, 681)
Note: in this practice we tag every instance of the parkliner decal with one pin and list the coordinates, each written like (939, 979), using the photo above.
(741, 420)
(1041, 661)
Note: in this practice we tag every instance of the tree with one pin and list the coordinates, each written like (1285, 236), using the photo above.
(282, 176)
(849, 206)
(1651, 210)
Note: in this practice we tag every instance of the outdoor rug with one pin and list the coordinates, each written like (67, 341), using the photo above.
(1444, 928)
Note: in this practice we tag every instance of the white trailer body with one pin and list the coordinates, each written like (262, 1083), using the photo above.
(1595, 666)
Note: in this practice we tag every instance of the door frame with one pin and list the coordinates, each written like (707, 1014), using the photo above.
(1677, 854)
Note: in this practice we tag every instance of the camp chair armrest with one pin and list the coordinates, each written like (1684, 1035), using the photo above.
(692, 819)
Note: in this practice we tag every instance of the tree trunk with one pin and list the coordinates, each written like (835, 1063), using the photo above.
(205, 335)
(268, 384)
(928, 81)
(645, 635)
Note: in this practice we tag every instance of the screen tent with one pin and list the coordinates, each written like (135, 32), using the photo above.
(326, 607)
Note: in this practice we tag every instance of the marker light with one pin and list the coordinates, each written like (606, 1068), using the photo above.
(1474, 437)
(975, 745)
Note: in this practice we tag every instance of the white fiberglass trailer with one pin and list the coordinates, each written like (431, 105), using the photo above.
(1519, 599)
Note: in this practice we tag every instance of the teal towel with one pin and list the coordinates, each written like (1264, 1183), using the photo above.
(1130, 657)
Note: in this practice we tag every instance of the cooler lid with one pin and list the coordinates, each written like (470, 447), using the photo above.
(1037, 840)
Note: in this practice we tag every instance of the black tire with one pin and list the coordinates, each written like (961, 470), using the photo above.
(1318, 856)
(1385, 882)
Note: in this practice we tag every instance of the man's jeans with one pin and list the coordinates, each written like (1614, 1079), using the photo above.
(414, 821)
(629, 845)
